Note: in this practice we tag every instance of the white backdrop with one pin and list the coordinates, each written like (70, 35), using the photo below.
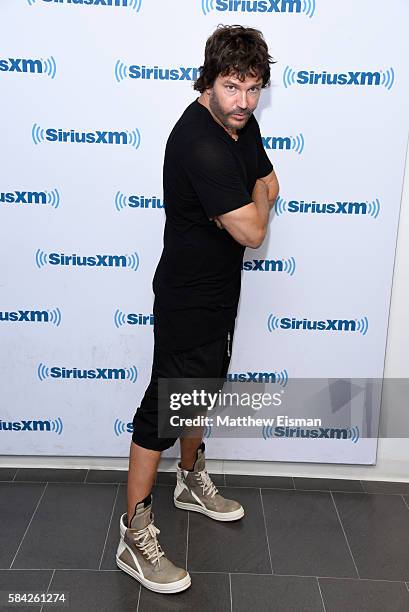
(335, 127)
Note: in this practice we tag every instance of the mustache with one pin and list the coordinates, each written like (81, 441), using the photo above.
(241, 112)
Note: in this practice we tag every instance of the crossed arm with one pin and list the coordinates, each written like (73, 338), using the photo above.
(248, 224)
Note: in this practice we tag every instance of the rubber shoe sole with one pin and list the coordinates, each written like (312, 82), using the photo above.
(172, 587)
(217, 516)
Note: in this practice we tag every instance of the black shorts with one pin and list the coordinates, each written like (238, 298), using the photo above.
(210, 360)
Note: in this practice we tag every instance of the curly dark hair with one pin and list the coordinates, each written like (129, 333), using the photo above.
(234, 49)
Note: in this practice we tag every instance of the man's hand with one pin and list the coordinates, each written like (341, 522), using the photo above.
(248, 224)
(217, 221)
(273, 187)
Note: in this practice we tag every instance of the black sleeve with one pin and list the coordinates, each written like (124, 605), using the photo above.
(213, 172)
(264, 164)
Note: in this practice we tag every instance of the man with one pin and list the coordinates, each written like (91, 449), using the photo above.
(219, 187)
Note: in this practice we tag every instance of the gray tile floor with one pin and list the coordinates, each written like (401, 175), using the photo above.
(304, 544)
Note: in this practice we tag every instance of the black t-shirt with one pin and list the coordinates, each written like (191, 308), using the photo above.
(197, 281)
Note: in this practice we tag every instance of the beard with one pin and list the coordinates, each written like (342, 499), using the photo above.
(224, 117)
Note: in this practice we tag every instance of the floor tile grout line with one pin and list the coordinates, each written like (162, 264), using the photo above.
(361, 490)
(376, 493)
(327, 491)
(109, 526)
(243, 573)
(28, 526)
(266, 532)
(322, 598)
(118, 571)
(64, 482)
(300, 576)
(48, 588)
(164, 484)
(345, 535)
(187, 538)
(222, 473)
(113, 482)
(231, 596)
(290, 489)
(139, 598)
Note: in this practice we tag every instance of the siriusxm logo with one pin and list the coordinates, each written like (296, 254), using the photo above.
(368, 208)
(35, 66)
(63, 373)
(339, 325)
(134, 201)
(207, 431)
(32, 316)
(54, 426)
(97, 261)
(329, 433)
(135, 5)
(260, 6)
(127, 137)
(120, 427)
(280, 378)
(121, 319)
(154, 73)
(288, 143)
(52, 198)
(380, 78)
(270, 265)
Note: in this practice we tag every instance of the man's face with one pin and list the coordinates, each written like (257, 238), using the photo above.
(233, 101)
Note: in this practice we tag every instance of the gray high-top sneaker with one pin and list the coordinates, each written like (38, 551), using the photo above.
(140, 555)
(195, 491)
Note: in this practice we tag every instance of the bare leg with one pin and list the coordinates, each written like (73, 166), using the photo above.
(188, 448)
(143, 465)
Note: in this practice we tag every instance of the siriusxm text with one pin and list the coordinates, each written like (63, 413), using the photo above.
(263, 265)
(163, 74)
(276, 142)
(23, 197)
(322, 432)
(310, 77)
(24, 425)
(59, 259)
(144, 202)
(259, 6)
(251, 377)
(337, 208)
(322, 325)
(97, 373)
(139, 319)
(96, 137)
(13, 64)
(92, 2)
(37, 316)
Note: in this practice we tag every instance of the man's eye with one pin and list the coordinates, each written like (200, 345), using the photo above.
(230, 87)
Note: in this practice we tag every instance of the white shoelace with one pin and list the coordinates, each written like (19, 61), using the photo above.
(147, 541)
(206, 483)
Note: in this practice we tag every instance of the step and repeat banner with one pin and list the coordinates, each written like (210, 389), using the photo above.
(90, 90)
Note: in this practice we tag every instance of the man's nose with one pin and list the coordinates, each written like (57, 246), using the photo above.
(242, 100)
